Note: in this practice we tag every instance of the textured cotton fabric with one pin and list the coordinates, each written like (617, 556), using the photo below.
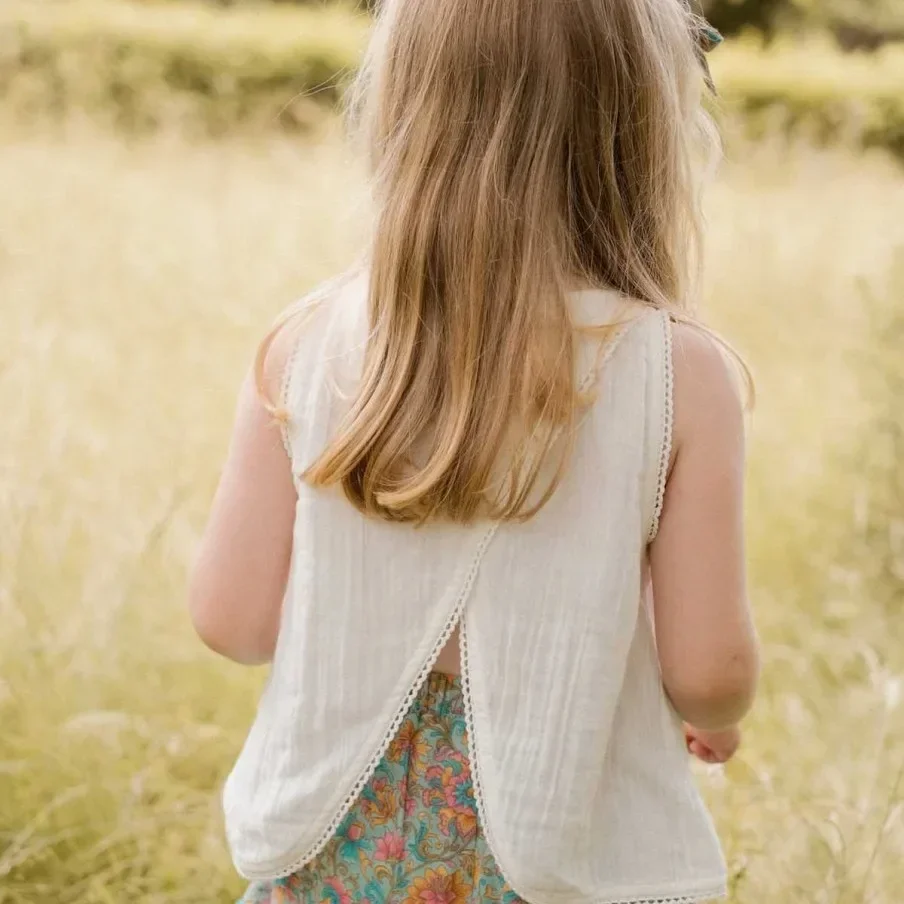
(580, 771)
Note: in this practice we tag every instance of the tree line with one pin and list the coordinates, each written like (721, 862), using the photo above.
(855, 24)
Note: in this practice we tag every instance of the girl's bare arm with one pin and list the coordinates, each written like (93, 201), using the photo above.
(239, 579)
(706, 639)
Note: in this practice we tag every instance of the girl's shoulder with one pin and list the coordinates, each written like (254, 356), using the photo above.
(708, 390)
(327, 322)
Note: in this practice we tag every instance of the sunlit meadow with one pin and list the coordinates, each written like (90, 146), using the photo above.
(135, 280)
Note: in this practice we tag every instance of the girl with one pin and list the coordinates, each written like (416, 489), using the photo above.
(497, 561)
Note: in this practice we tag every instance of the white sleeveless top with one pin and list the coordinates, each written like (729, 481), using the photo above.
(581, 774)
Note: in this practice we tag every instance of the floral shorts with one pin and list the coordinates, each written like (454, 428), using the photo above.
(413, 835)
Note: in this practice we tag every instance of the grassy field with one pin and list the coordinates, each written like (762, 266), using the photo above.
(135, 280)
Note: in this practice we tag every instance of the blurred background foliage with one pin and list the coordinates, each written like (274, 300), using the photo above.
(213, 68)
(856, 23)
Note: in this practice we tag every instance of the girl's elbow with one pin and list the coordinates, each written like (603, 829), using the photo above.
(713, 699)
(236, 648)
(245, 644)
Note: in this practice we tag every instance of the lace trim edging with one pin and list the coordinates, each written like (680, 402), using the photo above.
(665, 452)
(681, 899)
(455, 618)
(474, 756)
(285, 396)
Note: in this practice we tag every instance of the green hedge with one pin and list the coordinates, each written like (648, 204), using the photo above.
(853, 23)
(816, 92)
(144, 66)
(141, 66)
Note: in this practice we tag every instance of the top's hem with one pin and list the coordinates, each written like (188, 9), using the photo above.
(680, 895)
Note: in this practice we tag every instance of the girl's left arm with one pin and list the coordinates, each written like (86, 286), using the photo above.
(239, 579)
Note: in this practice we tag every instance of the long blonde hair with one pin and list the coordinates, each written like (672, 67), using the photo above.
(519, 149)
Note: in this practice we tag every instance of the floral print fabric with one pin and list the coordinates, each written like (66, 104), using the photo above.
(413, 835)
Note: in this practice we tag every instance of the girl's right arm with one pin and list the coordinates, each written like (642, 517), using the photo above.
(707, 643)
(239, 578)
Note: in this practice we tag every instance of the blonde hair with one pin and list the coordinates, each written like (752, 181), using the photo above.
(519, 149)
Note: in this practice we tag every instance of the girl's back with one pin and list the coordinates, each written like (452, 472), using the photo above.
(567, 722)
(483, 456)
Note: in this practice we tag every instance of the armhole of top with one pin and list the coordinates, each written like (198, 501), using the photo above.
(300, 320)
(668, 423)
(286, 395)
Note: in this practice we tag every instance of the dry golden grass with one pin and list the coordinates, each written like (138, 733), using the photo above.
(135, 280)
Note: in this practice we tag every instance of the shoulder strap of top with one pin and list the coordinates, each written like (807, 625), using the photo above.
(660, 417)
(322, 348)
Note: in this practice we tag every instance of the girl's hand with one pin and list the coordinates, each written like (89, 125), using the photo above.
(712, 747)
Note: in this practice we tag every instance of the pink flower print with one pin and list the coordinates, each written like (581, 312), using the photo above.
(390, 847)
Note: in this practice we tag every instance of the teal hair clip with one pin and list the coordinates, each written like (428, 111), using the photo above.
(708, 39)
